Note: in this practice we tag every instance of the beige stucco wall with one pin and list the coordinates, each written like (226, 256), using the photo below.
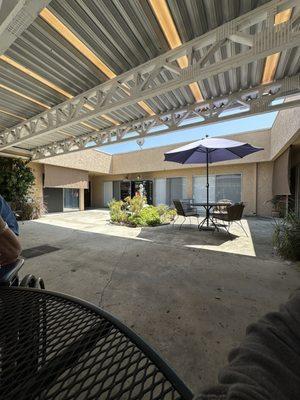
(254, 175)
(153, 159)
(88, 160)
(256, 170)
(285, 130)
(81, 199)
(37, 170)
(264, 188)
(61, 177)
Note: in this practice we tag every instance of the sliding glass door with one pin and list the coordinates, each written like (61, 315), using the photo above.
(221, 187)
(71, 199)
(228, 187)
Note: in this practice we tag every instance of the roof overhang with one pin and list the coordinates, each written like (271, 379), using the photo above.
(141, 83)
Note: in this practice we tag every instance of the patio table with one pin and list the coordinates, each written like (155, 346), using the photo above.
(53, 346)
(207, 219)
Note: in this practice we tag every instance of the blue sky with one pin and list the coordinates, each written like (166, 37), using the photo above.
(262, 121)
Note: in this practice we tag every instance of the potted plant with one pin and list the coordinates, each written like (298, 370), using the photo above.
(277, 203)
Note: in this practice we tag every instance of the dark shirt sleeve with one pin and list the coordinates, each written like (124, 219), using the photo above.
(8, 216)
(266, 366)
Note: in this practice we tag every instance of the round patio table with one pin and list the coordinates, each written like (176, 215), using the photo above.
(53, 346)
(213, 226)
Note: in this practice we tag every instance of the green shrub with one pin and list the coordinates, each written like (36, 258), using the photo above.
(286, 237)
(135, 204)
(135, 220)
(16, 179)
(117, 211)
(150, 216)
(162, 209)
(135, 212)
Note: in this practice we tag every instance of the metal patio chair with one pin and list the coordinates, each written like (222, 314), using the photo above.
(184, 209)
(233, 214)
(222, 208)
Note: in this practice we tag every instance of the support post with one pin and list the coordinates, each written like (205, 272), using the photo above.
(207, 190)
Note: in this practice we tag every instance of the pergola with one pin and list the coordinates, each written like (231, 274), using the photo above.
(77, 74)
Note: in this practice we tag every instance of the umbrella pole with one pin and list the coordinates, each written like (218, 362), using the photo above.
(207, 190)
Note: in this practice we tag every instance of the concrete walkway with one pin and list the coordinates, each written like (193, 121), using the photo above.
(190, 294)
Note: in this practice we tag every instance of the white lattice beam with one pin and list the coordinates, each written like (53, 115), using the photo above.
(248, 102)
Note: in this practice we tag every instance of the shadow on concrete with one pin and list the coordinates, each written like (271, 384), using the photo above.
(261, 230)
(192, 304)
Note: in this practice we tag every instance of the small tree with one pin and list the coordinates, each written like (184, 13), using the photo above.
(16, 179)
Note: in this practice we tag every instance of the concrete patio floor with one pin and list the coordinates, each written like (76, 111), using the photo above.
(190, 294)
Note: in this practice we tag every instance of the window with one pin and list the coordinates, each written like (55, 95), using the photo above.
(175, 189)
(228, 187)
(220, 187)
(160, 191)
(117, 190)
(71, 199)
(107, 193)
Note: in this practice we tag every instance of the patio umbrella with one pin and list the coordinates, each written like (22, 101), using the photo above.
(210, 150)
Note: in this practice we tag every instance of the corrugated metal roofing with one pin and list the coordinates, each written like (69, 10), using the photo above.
(123, 34)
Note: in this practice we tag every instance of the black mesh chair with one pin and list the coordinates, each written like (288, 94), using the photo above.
(232, 214)
(185, 210)
(222, 208)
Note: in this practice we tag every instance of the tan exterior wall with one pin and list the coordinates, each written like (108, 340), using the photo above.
(153, 159)
(37, 170)
(61, 177)
(253, 176)
(87, 160)
(285, 130)
(81, 199)
(264, 188)
(256, 170)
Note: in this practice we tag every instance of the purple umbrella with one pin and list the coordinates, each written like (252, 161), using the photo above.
(209, 150)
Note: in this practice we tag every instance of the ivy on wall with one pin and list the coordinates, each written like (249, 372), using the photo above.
(16, 179)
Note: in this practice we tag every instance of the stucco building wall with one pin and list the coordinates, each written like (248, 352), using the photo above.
(264, 188)
(256, 183)
(153, 159)
(256, 170)
(37, 170)
(89, 160)
(285, 130)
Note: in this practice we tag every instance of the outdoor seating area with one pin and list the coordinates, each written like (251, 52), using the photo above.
(222, 211)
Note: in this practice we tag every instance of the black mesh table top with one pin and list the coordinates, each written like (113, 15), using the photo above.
(56, 347)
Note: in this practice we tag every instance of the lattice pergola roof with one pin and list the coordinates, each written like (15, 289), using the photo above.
(80, 73)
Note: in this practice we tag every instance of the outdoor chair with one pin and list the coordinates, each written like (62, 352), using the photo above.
(184, 209)
(232, 214)
(222, 208)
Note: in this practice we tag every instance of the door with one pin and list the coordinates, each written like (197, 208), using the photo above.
(160, 191)
(117, 190)
(107, 193)
(87, 197)
(228, 187)
(125, 189)
(199, 188)
(71, 199)
(53, 198)
(176, 189)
